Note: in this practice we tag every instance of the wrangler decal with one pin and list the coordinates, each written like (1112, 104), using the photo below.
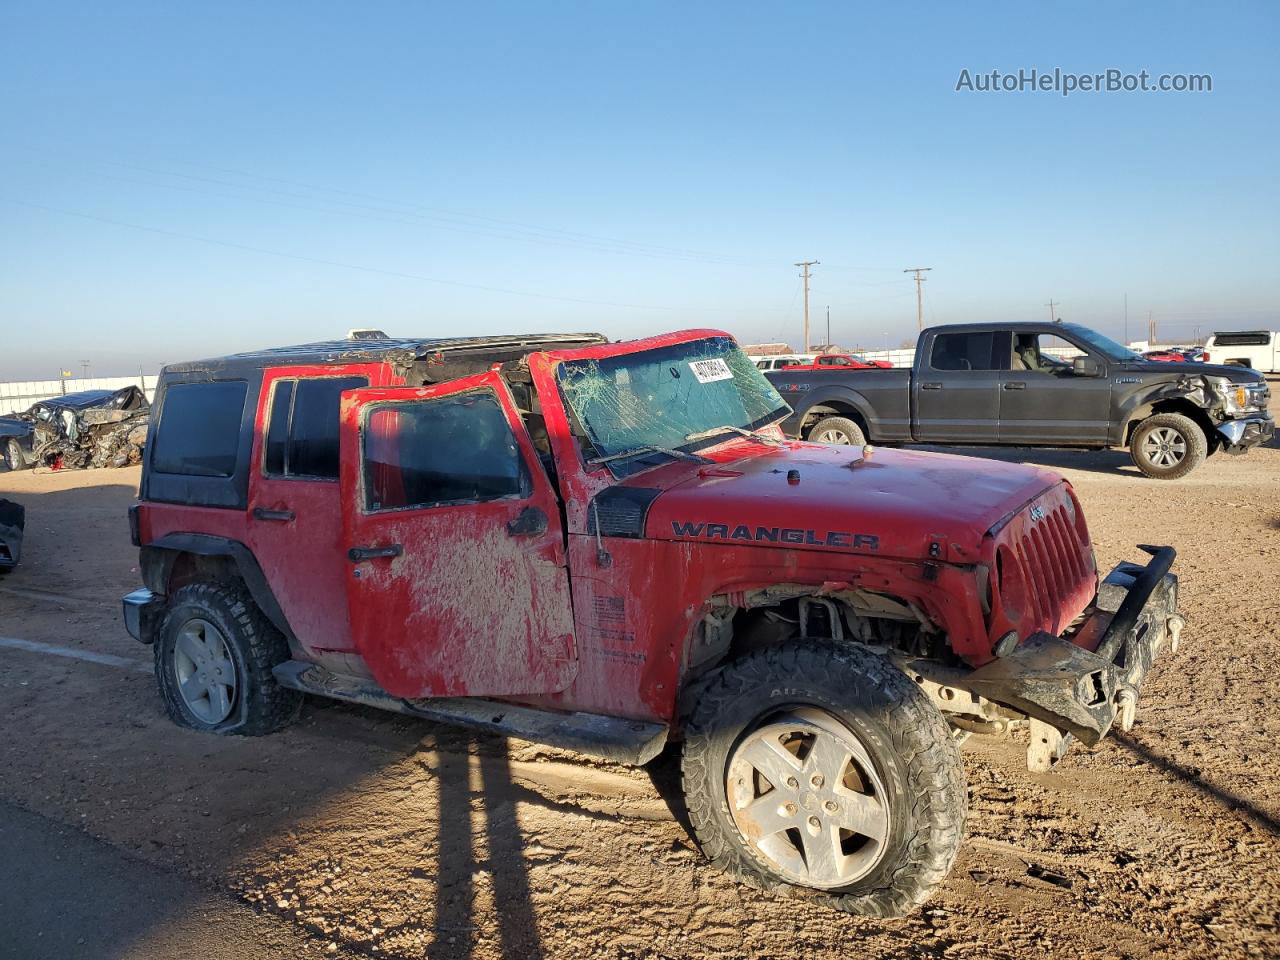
(813, 538)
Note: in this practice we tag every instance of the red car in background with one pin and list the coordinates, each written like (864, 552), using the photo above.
(1165, 356)
(842, 361)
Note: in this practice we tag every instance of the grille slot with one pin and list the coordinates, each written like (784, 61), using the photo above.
(1057, 575)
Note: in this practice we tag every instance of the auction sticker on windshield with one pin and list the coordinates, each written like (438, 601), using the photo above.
(709, 371)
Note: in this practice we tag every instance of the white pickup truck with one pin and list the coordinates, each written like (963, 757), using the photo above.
(1259, 349)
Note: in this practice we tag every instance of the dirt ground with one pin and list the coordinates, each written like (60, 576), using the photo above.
(372, 834)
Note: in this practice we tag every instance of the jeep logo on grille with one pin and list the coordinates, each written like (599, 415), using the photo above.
(1036, 513)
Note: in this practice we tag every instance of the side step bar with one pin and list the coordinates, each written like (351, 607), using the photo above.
(609, 738)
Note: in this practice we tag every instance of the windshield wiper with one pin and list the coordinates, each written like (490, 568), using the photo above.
(675, 454)
(729, 428)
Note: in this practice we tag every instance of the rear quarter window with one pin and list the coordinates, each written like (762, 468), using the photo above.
(199, 430)
(1256, 339)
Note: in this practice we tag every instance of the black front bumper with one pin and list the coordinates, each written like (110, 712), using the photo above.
(1085, 683)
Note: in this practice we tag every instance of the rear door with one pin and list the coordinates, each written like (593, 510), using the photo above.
(957, 387)
(457, 582)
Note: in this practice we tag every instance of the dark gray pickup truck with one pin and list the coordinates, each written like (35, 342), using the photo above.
(1036, 384)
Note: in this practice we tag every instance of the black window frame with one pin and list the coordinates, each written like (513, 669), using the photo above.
(156, 447)
(997, 338)
(527, 487)
(293, 382)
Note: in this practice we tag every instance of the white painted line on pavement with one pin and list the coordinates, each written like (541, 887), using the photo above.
(106, 659)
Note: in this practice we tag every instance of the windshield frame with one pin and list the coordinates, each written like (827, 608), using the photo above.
(648, 459)
(1116, 352)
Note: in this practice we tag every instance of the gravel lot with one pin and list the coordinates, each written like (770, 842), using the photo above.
(365, 833)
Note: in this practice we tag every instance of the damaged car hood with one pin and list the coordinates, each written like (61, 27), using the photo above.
(891, 503)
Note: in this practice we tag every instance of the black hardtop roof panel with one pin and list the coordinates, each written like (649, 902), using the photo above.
(389, 349)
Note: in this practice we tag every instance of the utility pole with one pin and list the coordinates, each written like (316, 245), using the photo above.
(1151, 332)
(828, 326)
(919, 293)
(1052, 316)
(1126, 319)
(805, 265)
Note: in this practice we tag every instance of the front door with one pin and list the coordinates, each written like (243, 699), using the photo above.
(1043, 402)
(957, 387)
(457, 582)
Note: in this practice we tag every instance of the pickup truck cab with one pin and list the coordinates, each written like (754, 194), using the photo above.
(1258, 349)
(1036, 384)
(611, 547)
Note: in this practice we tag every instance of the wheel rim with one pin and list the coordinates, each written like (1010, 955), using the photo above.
(1164, 447)
(834, 436)
(204, 671)
(11, 455)
(807, 799)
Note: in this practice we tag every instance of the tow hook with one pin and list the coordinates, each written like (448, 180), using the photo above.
(1126, 708)
(1173, 627)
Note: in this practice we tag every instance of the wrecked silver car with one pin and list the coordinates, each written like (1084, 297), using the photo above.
(92, 428)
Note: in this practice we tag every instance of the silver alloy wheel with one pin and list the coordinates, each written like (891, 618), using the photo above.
(13, 455)
(806, 797)
(204, 671)
(833, 436)
(1164, 447)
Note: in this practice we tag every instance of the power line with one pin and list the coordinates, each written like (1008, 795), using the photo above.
(805, 265)
(919, 271)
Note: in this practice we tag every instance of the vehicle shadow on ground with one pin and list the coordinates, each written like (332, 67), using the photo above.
(1192, 778)
(1113, 463)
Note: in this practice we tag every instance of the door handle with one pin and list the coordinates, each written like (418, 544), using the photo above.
(531, 522)
(932, 385)
(356, 554)
(281, 516)
(1016, 385)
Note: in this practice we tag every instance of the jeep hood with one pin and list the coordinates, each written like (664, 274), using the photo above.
(892, 503)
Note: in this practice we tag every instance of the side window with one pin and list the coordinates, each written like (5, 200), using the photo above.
(302, 432)
(979, 350)
(199, 430)
(457, 449)
(1043, 352)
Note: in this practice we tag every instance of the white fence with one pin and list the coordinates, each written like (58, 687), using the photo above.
(19, 396)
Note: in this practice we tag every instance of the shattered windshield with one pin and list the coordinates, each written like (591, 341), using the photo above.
(645, 408)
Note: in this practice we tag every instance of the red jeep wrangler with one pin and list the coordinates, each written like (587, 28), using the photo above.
(610, 546)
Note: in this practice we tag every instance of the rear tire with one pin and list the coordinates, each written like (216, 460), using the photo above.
(837, 430)
(13, 456)
(213, 658)
(877, 836)
(1168, 446)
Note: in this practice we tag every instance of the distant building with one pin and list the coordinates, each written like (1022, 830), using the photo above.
(766, 349)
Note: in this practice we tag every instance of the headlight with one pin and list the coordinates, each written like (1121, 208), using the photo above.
(1235, 397)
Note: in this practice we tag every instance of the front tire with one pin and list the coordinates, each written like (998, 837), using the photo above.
(1168, 446)
(14, 458)
(213, 658)
(869, 807)
(838, 430)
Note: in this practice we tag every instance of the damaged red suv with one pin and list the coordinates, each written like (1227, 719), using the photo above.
(610, 547)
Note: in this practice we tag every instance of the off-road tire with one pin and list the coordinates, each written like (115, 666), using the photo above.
(1197, 445)
(838, 425)
(14, 458)
(262, 705)
(906, 736)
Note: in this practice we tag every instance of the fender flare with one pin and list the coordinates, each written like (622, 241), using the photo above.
(158, 558)
(1138, 405)
(842, 394)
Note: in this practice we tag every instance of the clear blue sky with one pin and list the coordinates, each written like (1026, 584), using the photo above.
(180, 180)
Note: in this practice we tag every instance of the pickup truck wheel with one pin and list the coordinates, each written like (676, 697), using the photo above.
(1168, 446)
(837, 430)
(213, 659)
(820, 770)
(13, 456)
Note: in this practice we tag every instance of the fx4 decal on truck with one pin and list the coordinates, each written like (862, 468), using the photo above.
(832, 538)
